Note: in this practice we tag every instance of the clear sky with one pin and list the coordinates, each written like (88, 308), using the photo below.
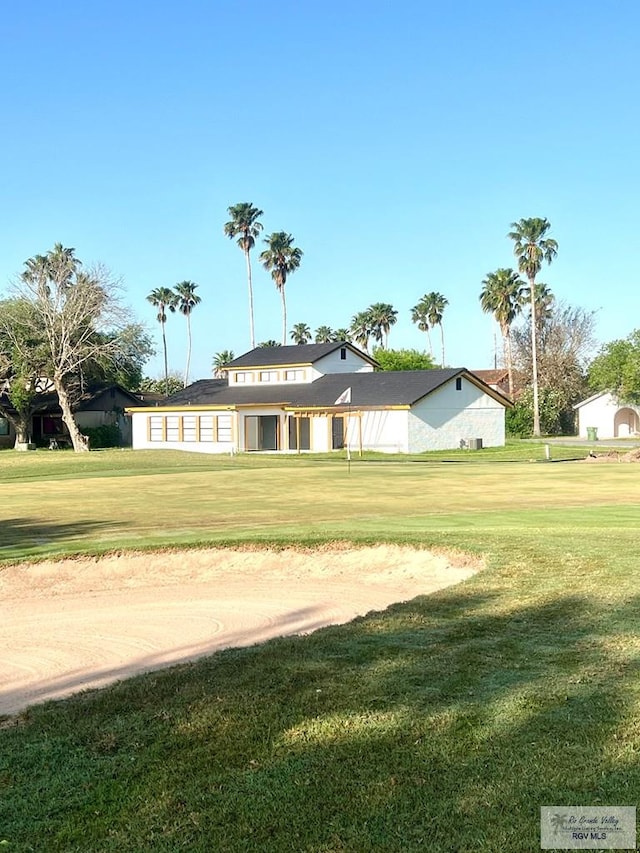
(395, 141)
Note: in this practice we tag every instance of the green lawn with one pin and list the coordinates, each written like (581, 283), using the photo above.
(442, 724)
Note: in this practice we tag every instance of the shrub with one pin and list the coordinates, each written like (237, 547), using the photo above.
(107, 435)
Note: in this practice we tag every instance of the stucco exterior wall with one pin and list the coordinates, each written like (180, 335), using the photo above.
(141, 441)
(445, 418)
(607, 415)
(332, 363)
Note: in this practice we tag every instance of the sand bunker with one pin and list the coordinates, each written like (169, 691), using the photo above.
(614, 456)
(78, 624)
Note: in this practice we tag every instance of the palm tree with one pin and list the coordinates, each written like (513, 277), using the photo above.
(362, 328)
(435, 303)
(281, 258)
(502, 296)
(269, 343)
(245, 226)
(163, 298)
(342, 335)
(531, 248)
(186, 300)
(220, 360)
(383, 316)
(324, 335)
(419, 317)
(301, 333)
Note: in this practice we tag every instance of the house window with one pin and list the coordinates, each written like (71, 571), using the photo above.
(294, 375)
(224, 428)
(207, 428)
(189, 428)
(156, 428)
(243, 376)
(459, 384)
(4, 426)
(268, 376)
(343, 353)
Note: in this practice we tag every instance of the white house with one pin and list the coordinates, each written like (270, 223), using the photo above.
(603, 416)
(322, 397)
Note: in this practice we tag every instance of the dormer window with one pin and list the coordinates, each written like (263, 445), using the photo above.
(268, 376)
(343, 353)
(459, 383)
(242, 376)
(294, 375)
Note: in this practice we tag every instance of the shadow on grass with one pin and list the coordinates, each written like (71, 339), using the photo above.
(442, 724)
(21, 537)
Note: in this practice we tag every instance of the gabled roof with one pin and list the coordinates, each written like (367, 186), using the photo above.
(300, 354)
(594, 397)
(492, 377)
(368, 389)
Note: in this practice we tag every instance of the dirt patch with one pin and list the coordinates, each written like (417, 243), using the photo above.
(84, 623)
(614, 456)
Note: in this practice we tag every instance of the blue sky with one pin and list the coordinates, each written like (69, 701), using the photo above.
(396, 142)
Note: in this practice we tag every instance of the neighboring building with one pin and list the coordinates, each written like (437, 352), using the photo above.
(99, 405)
(607, 416)
(496, 379)
(293, 398)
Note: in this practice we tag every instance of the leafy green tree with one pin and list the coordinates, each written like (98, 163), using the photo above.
(403, 359)
(164, 385)
(246, 226)
(23, 360)
(163, 298)
(532, 246)
(434, 304)
(502, 296)
(281, 258)
(420, 316)
(383, 316)
(362, 328)
(301, 333)
(220, 361)
(186, 301)
(324, 335)
(616, 368)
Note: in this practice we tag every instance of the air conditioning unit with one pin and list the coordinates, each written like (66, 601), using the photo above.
(475, 444)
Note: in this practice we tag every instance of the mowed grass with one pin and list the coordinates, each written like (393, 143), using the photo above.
(442, 724)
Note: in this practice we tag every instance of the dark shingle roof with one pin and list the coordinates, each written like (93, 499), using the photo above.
(384, 388)
(301, 354)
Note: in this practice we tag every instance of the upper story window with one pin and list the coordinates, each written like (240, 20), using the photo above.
(459, 383)
(268, 376)
(243, 376)
(294, 375)
(343, 353)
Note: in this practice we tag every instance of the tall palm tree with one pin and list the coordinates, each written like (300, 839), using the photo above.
(502, 296)
(362, 328)
(419, 316)
(220, 360)
(301, 333)
(163, 298)
(531, 247)
(324, 335)
(269, 344)
(342, 335)
(383, 316)
(281, 258)
(435, 304)
(186, 300)
(245, 226)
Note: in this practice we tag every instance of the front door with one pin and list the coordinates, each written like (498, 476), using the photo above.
(337, 432)
(261, 432)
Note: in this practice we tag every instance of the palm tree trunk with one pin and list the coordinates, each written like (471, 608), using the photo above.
(442, 341)
(166, 365)
(186, 372)
(507, 342)
(430, 342)
(284, 316)
(78, 440)
(534, 361)
(251, 322)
